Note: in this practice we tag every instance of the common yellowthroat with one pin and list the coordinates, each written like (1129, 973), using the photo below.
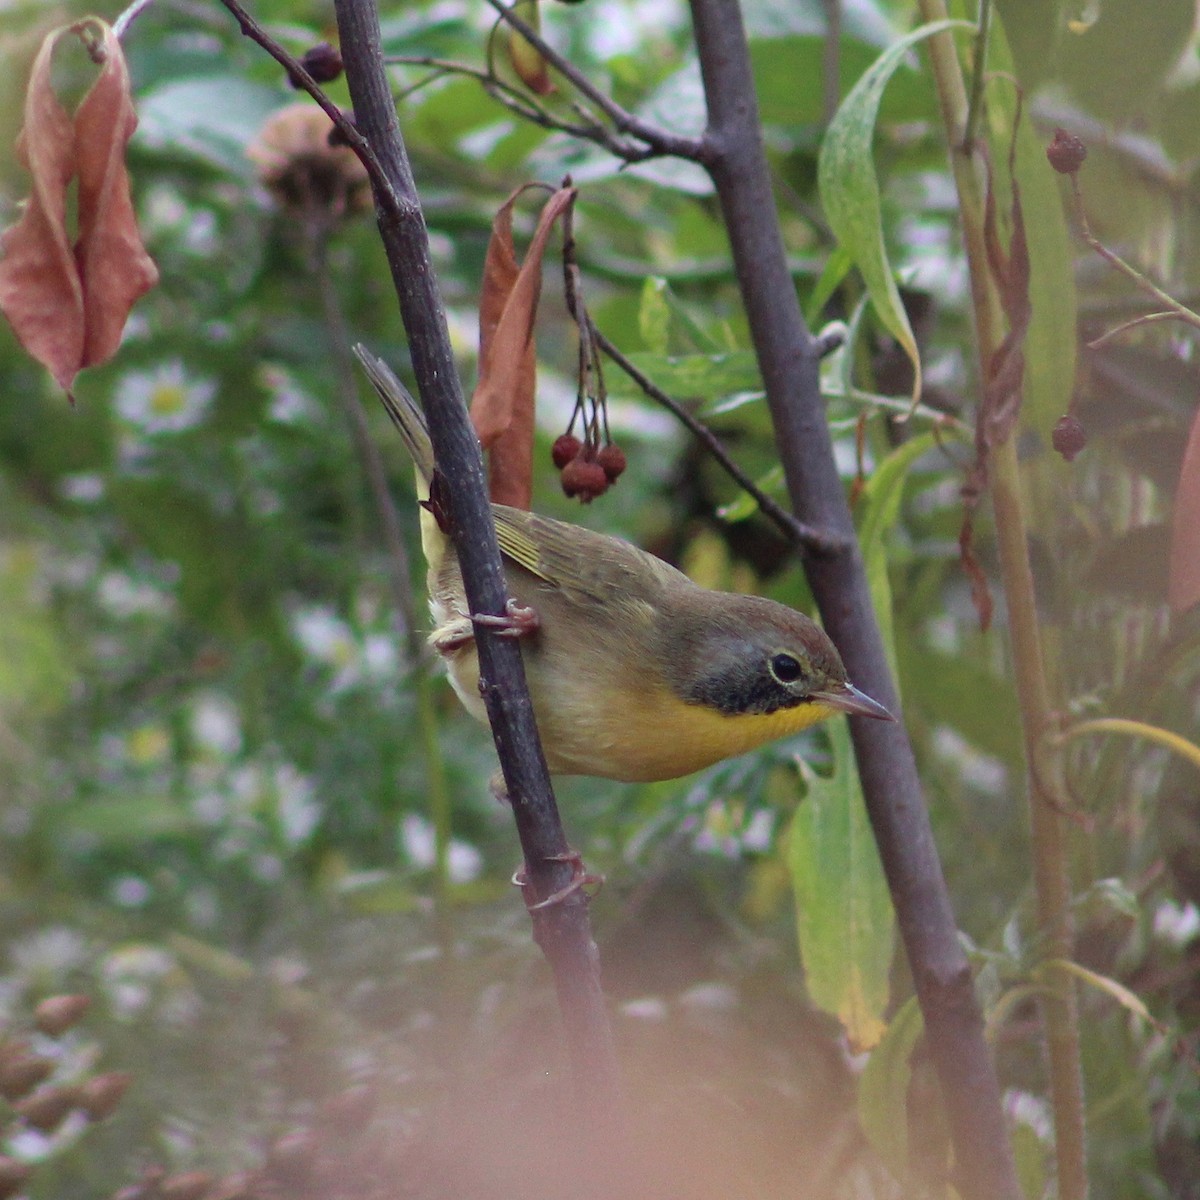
(635, 672)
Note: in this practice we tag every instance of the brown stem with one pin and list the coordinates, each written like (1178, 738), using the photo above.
(1051, 880)
(562, 929)
(788, 358)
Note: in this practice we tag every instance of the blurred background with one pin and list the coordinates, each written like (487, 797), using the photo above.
(216, 815)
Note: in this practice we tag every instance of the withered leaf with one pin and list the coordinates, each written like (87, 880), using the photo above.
(68, 301)
(502, 406)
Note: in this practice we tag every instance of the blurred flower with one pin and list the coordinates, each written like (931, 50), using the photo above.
(298, 809)
(129, 891)
(329, 639)
(51, 952)
(1176, 924)
(216, 725)
(164, 400)
(124, 596)
(463, 861)
(131, 975)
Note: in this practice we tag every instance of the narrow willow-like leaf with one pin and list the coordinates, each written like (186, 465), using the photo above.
(850, 188)
(843, 911)
(883, 1088)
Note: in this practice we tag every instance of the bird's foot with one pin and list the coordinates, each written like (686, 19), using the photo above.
(518, 620)
(581, 879)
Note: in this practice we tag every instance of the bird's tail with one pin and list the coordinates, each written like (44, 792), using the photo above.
(402, 408)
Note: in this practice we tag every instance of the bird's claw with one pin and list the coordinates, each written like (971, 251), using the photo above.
(580, 880)
(518, 620)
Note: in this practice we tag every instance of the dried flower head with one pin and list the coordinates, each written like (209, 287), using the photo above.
(302, 171)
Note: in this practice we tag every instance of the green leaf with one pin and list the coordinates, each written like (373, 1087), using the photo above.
(843, 911)
(1030, 1153)
(1050, 341)
(133, 821)
(693, 376)
(654, 315)
(850, 188)
(212, 118)
(880, 511)
(883, 1088)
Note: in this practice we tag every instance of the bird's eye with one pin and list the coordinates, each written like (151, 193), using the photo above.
(785, 668)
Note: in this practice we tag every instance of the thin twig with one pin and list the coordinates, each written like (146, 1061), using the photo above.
(659, 140)
(1125, 326)
(127, 18)
(804, 536)
(525, 106)
(256, 33)
(1130, 272)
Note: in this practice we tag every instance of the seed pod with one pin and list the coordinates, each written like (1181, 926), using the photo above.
(323, 62)
(1066, 152)
(21, 1072)
(56, 1014)
(13, 1175)
(1069, 436)
(100, 1096)
(46, 1109)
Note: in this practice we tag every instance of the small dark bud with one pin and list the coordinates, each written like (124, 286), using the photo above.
(323, 62)
(100, 1096)
(566, 447)
(46, 1109)
(336, 136)
(612, 461)
(21, 1072)
(55, 1015)
(584, 480)
(191, 1185)
(1066, 152)
(1069, 436)
(13, 1175)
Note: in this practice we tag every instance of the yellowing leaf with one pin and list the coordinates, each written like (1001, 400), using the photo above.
(843, 911)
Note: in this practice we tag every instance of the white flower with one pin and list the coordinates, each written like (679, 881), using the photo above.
(216, 726)
(164, 400)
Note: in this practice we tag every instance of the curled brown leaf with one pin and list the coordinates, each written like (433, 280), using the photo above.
(68, 299)
(502, 406)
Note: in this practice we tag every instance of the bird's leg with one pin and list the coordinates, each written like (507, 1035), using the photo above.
(519, 620)
(580, 879)
(451, 637)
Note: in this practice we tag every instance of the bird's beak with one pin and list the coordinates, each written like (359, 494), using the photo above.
(848, 699)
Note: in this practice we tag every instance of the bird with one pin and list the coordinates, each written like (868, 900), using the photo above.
(635, 672)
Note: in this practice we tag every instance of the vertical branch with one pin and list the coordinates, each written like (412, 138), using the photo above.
(561, 928)
(1051, 878)
(789, 356)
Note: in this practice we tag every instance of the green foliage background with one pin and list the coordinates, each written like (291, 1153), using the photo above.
(214, 800)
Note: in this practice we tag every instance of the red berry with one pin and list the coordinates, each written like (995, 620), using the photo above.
(584, 479)
(566, 447)
(1066, 152)
(1069, 436)
(322, 61)
(612, 459)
